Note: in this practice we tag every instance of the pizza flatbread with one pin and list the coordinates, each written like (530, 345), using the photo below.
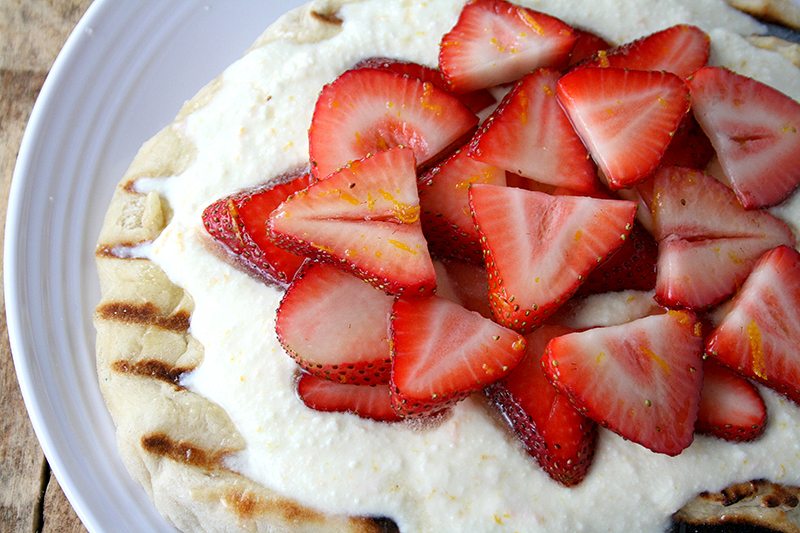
(175, 442)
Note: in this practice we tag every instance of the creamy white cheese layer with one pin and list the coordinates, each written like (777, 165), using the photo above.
(466, 472)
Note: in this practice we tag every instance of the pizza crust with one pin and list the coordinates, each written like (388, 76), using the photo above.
(786, 12)
(173, 441)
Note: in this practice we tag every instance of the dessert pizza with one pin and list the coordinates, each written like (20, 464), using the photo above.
(483, 266)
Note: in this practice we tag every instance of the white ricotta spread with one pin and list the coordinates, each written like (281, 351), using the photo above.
(466, 473)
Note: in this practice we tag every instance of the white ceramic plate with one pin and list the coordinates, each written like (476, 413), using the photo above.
(122, 75)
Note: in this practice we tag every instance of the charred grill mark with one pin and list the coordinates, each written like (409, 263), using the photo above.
(146, 313)
(748, 507)
(153, 368)
(249, 505)
(182, 452)
(738, 492)
(130, 187)
(327, 18)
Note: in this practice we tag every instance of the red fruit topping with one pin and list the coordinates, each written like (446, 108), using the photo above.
(587, 44)
(755, 130)
(442, 353)
(530, 135)
(368, 110)
(626, 118)
(539, 248)
(444, 201)
(731, 408)
(642, 379)
(465, 284)
(708, 243)
(366, 401)
(560, 438)
(238, 222)
(495, 42)
(336, 326)
(365, 219)
(631, 267)
(680, 49)
(476, 101)
(759, 336)
(689, 147)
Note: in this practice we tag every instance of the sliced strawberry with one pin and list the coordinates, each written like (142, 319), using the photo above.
(336, 326)
(626, 118)
(759, 336)
(238, 222)
(366, 401)
(444, 201)
(539, 248)
(465, 284)
(642, 379)
(755, 130)
(495, 42)
(708, 243)
(442, 353)
(560, 438)
(367, 110)
(365, 219)
(690, 147)
(587, 44)
(476, 101)
(631, 267)
(530, 135)
(731, 408)
(680, 49)
(693, 205)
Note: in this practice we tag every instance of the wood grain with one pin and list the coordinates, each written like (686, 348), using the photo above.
(31, 34)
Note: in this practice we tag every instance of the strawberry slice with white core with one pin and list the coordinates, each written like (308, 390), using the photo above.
(366, 401)
(560, 438)
(708, 243)
(642, 379)
(336, 326)
(731, 407)
(476, 101)
(626, 118)
(529, 134)
(755, 130)
(444, 201)
(759, 336)
(368, 110)
(700, 274)
(539, 248)
(694, 205)
(238, 222)
(365, 219)
(680, 49)
(496, 42)
(443, 352)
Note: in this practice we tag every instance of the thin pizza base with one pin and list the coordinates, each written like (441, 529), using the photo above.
(174, 441)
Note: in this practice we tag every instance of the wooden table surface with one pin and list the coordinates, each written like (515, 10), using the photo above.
(31, 34)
